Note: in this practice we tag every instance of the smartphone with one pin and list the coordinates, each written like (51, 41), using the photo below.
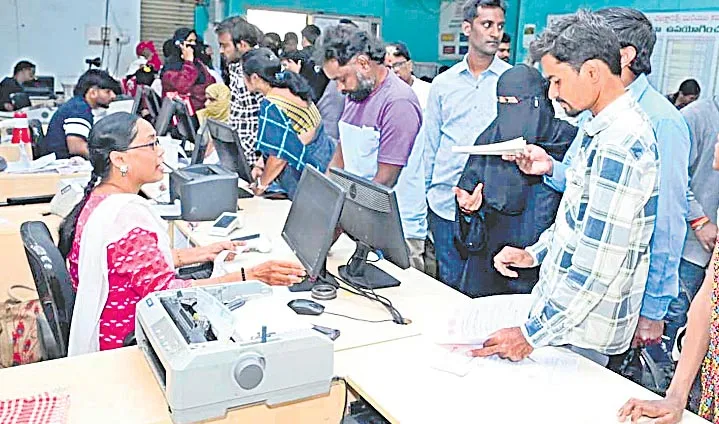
(329, 332)
(247, 238)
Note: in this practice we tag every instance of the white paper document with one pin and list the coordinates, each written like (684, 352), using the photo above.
(509, 147)
(164, 210)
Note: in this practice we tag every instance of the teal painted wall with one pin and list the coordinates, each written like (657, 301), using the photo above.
(416, 22)
(533, 12)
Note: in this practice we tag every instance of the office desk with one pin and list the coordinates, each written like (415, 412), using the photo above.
(418, 298)
(494, 392)
(11, 152)
(118, 386)
(14, 268)
(41, 184)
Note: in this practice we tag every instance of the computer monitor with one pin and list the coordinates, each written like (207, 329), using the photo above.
(203, 139)
(229, 149)
(185, 124)
(41, 86)
(311, 223)
(167, 111)
(152, 101)
(137, 103)
(371, 218)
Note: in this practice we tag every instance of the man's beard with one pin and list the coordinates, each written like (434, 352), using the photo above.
(365, 87)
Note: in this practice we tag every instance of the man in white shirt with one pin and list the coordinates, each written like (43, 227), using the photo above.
(399, 61)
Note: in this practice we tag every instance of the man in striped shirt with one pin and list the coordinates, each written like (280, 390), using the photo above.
(595, 258)
(71, 123)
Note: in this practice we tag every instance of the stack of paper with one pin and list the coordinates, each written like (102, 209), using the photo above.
(511, 147)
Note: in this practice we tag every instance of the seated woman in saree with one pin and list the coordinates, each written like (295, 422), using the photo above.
(118, 249)
(498, 205)
(290, 134)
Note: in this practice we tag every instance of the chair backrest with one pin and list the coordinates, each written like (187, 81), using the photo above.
(52, 280)
(37, 135)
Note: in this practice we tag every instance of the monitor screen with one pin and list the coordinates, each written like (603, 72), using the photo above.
(229, 150)
(162, 123)
(200, 149)
(311, 223)
(185, 124)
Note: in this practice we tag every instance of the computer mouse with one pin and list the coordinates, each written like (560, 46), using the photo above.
(3, 164)
(261, 244)
(306, 307)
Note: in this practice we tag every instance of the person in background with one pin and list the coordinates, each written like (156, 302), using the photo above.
(217, 108)
(290, 42)
(23, 71)
(461, 105)
(236, 37)
(637, 35)
(702, 117)
(314, 74)
(290, 134)
(689, 92)
(332, 102)
(70, 125)
(379, 125)
(399, 61)
(595, 257)
(118, 250)
(272, 41)
(205, 56)
(504, 51)
(146, 55)
(700, 352)
(183, 72)
(498, 205)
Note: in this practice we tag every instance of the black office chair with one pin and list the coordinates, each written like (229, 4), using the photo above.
(37, 135)
(53, 285)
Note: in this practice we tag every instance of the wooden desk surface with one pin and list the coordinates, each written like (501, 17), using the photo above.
(493, 392)
(14, 268)
(118, 386)
(41, 184)
(11, 152)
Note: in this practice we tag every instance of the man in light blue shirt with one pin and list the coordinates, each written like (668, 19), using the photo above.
(637, 37)
(462, 103)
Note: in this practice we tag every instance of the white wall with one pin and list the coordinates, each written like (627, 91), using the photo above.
(52, 34)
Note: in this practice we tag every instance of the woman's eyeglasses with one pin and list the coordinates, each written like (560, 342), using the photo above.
(151, 145)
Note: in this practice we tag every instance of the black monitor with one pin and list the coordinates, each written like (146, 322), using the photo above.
(311, 223)
(137, 103)
(203, 139)
(229, 149)
(152, 101)
(185, 124)
(41, 86)
(371, 218)
(164, 118)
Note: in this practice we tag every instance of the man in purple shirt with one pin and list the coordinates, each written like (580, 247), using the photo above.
(379, 126)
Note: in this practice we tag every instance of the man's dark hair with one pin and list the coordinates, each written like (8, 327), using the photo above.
(469, 10)
(311, 33)
(401, 50)
(506, 38)
(295, 55)
(21, 66)
(240, 30)
(578, 38)
(690, 87)
(290, 36)
(344, 42)
(633, 29)
(95, 78)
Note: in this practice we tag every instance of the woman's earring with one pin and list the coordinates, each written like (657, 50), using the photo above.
(123, 170)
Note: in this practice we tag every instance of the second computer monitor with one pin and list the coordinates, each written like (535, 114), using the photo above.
(229, 149)
(371, 217)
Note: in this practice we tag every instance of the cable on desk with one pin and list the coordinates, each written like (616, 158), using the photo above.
(357, 319)
(371, 295)
(347, 395)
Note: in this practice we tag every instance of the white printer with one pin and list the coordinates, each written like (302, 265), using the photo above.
(206, 366)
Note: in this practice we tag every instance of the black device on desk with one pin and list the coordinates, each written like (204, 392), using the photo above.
(185, 126)
(41, 86)
(205, 191)
(371, 218)
(229, 151)
(148, 101)
(310, 226)
(20, 100)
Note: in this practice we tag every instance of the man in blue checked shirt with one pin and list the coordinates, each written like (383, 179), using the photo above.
(636, 34)
(595, 258)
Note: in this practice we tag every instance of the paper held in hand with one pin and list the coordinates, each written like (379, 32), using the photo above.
(510, 147)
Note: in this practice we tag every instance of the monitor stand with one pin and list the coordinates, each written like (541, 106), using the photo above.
(363, 274)
(308, 283)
